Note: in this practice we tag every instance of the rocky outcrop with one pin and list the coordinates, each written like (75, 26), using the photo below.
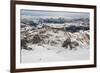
(71, 45)
(24, 44)
(67, 43)
(36, 39)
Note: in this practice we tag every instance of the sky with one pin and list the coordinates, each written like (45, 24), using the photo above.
(54, 13)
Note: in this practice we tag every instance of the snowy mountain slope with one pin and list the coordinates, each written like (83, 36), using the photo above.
(42, 54)
(52, 42)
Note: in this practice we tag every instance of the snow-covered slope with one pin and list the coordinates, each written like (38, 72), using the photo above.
(48, 53)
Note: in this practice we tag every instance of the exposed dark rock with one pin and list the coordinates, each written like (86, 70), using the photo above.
(36, 39)
(74, 44)
(28, 22)
(42, 32)
(29, 48)
(68, 42)
(76, 28)
(24, 43)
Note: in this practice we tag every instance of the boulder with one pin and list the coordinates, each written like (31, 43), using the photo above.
(66, 43)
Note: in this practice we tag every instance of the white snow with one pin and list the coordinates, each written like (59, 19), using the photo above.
(47, 53)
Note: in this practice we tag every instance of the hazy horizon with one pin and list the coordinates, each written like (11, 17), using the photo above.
(54, 13)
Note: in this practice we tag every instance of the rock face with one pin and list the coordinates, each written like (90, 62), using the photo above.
(67, 43)
(76, 28)
(36, 39)
(24, 44)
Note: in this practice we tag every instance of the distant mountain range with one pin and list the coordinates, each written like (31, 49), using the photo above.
(42, 21)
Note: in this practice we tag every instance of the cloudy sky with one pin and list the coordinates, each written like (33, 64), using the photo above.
(53, 13)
